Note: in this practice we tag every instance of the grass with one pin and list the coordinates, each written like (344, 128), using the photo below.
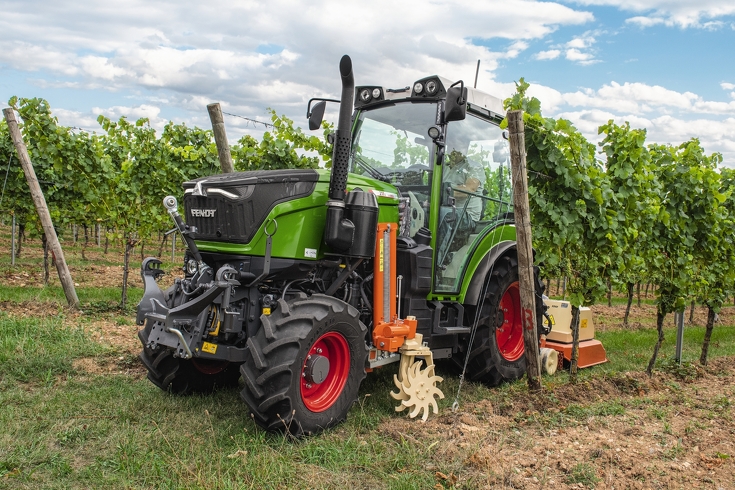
(67, 428)
(630, 350)
(87, 295)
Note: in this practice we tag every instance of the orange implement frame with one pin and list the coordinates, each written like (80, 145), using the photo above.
(591, 352)
(389, 331)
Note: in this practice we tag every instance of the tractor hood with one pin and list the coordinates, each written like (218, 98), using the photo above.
(232, 207)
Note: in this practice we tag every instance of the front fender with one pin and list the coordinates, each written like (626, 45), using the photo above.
(472, 294)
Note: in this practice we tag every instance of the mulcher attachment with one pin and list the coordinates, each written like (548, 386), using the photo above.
(417, 388)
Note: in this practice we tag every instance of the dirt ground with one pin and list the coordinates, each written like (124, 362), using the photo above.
(669, 434)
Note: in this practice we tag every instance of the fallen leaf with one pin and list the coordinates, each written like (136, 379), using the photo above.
(237, 454)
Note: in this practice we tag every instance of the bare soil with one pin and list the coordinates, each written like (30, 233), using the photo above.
(670, 434)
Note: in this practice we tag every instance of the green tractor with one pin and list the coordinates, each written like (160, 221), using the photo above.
(301, 281)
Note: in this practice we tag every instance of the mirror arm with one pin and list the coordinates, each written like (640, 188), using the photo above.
(308, 106)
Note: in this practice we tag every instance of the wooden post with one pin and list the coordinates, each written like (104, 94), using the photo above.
(220, 137)
(525, 251)
(40, 202)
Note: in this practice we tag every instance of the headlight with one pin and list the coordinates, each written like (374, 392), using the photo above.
(365, 95)
(192, 267)
(431, 87)
(376, 93)
(418, 88)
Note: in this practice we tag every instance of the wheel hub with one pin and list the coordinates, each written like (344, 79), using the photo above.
(316, 369)
(324, 371)
(509, 329)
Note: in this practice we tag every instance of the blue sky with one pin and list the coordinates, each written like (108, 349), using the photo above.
(664, 65)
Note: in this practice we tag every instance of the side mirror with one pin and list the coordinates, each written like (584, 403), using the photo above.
(316, 115)
(455, 107)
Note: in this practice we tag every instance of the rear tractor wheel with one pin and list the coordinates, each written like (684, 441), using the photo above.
(305, 366)
(498, 350)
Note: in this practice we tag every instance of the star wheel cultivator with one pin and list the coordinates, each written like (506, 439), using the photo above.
(299, 282)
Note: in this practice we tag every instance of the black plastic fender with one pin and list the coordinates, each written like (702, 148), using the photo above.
(475, 288)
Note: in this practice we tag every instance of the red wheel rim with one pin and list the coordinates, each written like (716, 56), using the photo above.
(509, 334)
(318, 397)
(207, 366)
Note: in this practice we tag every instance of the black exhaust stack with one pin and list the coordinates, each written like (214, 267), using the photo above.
(339, 231)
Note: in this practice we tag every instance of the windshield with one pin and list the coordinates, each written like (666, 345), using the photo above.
(391, 142)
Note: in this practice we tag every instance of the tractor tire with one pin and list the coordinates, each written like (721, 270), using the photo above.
(498, 350)
(185, 376)
(306, 365)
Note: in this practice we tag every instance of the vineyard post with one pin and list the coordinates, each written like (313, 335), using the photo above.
(220, 137)
(12, 243)
(38, 199)
(525, 251)
(679, 316)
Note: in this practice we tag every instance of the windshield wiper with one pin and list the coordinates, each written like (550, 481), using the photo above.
(373, 173)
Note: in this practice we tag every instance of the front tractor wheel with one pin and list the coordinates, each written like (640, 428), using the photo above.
(305, 366)
(185, 376)
(498, 350)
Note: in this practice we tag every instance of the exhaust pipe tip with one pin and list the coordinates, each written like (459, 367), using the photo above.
(345, 67)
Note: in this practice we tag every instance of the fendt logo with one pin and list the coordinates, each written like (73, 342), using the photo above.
(203, 213)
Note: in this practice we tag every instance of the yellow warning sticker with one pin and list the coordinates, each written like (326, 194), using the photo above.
(209, 348)
(380, 254)
(266, 311)
(551, 317)
(583, 323)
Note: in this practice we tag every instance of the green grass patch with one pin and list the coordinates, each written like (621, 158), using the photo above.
(94, 298)
(630, 350)
(40, 349)
(583, 473)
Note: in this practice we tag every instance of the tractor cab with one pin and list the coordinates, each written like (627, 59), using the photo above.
(450, 166)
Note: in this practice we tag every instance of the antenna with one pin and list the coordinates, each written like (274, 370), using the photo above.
(477, 72)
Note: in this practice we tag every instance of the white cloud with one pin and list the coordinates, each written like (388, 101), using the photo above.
(645, 21)
(579, 49)
(640, 98)
(132, 113)
(727, 86)
(213, 50)
(551, 54)
(576, 55)
(679, 13)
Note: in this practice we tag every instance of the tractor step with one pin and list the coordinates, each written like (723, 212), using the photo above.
(451, 330)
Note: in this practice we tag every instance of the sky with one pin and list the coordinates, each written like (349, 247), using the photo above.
(667, 66)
